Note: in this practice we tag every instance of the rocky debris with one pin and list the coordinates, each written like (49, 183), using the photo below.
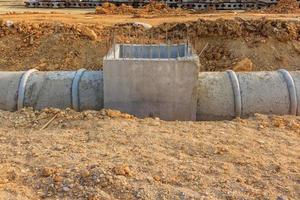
(122, 170)
(30, 118)
(217, 57)
(109, 8)
(243, 65)
(284, 7)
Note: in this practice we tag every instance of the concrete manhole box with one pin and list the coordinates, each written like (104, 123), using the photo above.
(152, 80)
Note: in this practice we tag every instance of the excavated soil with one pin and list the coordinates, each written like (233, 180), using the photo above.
(222, 43)
(62, 154)
(152, 10)
(284, 6)
(109, 155)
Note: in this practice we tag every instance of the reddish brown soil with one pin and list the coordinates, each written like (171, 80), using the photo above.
(284, 6)
(270, 44)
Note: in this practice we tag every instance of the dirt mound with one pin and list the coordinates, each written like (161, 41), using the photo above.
(109, 8)
(239, 27)
(149, 10)
(284, 7)
(58, 46)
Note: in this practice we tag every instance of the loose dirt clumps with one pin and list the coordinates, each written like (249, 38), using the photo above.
(284, 7)
(281, 30)
(59, 46)
(148, 11)
(243, 65)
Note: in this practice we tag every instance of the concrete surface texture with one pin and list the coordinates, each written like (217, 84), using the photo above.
(52, 89)
(261, 92)
(9, 84)
(161, 87)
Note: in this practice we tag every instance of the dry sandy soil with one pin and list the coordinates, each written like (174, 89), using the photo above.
(108, 155)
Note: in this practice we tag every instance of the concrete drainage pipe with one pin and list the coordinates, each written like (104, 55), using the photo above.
(225, 95)
(220, 95)
(80, 90)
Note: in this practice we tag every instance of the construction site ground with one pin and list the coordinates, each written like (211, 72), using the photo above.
(109, 155)
(58, 41)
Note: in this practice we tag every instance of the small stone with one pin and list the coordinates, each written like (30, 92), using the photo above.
(123, 170)
(9, 23)
(84, 173)
(157, 178)
(66, 189)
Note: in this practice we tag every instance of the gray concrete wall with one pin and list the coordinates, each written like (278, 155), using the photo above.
(162, 88)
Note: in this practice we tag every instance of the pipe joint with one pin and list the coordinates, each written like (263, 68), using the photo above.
(236, 92)
(291, 89)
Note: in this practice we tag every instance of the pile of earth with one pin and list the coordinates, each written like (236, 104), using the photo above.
(239, 27)
(284, 7)
(58, 46)
(153, 9)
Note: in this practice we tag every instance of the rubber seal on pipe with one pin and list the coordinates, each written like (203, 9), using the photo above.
(22, 88)
(291, 89)
(236, 92)
(75, 89)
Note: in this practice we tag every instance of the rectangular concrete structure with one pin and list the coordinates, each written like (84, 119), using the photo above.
(152, 81)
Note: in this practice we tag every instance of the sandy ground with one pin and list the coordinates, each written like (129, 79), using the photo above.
(37, 15)
(107, 155)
